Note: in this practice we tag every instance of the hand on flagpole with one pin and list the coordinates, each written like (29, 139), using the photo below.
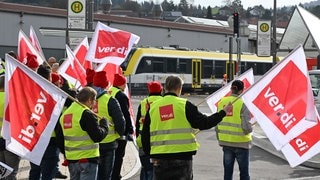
(228, 108)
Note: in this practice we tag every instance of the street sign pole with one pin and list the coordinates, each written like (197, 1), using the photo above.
(76, 19)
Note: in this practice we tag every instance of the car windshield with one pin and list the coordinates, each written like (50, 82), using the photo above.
(315, 80)
(315, 91)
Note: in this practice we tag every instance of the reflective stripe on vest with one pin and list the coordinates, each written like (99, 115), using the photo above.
(103, 112)
(170, 112)
(78, 144)
(229, 129)
(144, 107)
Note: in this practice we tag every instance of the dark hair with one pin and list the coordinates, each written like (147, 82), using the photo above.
(44, 71)
(13, 54)
(237, 86)
(173, 83)
(86, 93)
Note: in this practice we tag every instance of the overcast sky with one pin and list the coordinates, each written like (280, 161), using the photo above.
(245, 3)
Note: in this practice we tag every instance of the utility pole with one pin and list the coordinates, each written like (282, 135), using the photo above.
(229, 67)
(274, 33)
(236, 33)
(90, 10)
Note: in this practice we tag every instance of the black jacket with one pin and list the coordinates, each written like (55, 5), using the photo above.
(196, 119)
(88, 123)
(119, 123)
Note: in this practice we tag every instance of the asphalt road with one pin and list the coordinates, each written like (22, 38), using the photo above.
(207, 163)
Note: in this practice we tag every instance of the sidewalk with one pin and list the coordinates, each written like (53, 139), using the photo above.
(260, 140)
(131, 164)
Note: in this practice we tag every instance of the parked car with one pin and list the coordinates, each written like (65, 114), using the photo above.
(315, 83)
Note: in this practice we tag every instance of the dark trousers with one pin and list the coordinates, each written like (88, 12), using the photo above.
(116, 173)
(172, 170)
(47, 168)
(146, 172)
(230, 154)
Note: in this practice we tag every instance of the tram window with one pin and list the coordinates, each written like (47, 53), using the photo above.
(185, 66)
(127, 60)
(219, 68)
(207, 71)
(259, 68)
(171, 65)
(158, 66)
(262, 68)
(182, 66)
(144, 65)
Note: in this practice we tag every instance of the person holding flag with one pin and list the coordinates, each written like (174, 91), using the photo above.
(117, 91)
(47, 168)
(7, 157)
(168, 132)
(79, 131)
(107, 106)
(234, 133)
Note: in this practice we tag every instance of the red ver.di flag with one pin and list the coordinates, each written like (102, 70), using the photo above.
(33, 106)
(303, 147)
(282, 100)
(35, 42)
(72, 70)
(80, 52)
(110, 44)
(212, 100)
(24, 47)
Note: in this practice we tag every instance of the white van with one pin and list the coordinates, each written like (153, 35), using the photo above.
(315, 83)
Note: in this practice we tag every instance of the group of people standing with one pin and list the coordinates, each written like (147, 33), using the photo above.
(166, 124)
(91, 133)
(93, 137)
(93, 130)
(48, 168)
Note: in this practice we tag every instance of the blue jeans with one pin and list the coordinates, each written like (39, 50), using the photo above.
(172, 169)
(146, 167)
(83, 171)
(106, 163)
(230, 154)
(47, 169)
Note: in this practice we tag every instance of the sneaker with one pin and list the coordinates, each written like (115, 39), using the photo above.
(59, 175)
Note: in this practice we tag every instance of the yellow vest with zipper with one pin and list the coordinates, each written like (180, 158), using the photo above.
(103, 111)
(229, 129)
(78, 144)
(173, 134)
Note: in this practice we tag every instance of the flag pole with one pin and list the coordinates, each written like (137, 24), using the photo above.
(270, 70)
(230, 82)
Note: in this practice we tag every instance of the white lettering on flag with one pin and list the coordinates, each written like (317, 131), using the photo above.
(110, 45)
(283, 100)
(32, 108)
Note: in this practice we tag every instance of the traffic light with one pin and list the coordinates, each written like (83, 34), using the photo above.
(236, 23)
